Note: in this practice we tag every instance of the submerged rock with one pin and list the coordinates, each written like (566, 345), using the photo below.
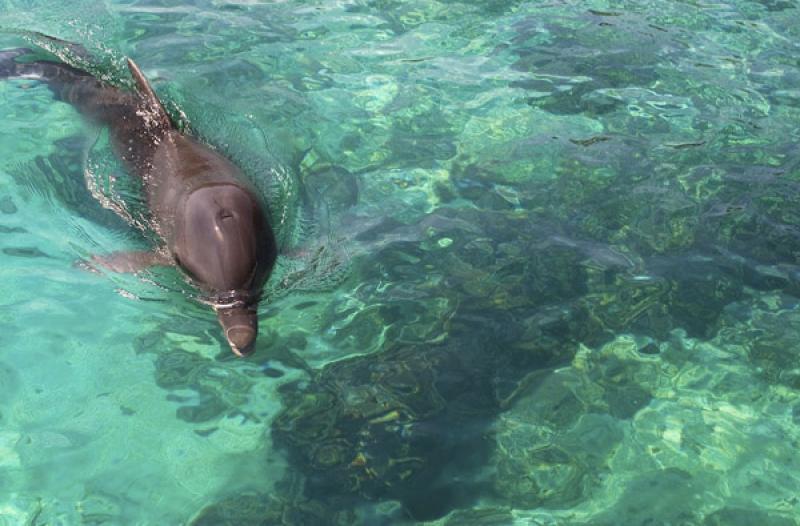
(382, 426)
(264, 509)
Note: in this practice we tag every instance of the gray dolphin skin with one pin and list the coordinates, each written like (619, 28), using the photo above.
(212, 222)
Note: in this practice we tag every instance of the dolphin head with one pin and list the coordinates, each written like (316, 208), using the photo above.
(225, 244)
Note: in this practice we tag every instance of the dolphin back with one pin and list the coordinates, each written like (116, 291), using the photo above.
(135, 116)
(8, 63)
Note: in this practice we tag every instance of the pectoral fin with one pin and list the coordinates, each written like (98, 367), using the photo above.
(131, 262)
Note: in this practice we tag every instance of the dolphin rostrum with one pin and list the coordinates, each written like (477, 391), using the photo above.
(212, 222)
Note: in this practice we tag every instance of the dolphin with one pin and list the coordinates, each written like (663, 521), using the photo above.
(212, 222)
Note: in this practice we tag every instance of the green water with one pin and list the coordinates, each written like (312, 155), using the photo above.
(539, 267)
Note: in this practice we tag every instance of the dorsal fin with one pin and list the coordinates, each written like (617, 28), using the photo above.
(148, 94)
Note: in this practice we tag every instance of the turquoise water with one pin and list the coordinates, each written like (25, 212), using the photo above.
(539, 266)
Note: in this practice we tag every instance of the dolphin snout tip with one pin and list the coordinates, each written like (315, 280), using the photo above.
(240, 326)
(242, 339)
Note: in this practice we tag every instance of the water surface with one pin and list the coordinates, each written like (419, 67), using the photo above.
(539, 267)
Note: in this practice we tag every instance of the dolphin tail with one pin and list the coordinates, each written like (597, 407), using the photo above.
(8, 65)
